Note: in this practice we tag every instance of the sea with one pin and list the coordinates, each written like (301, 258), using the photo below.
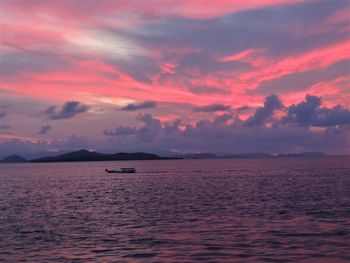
(215, 210)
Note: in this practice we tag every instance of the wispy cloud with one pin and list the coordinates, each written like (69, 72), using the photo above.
(139, 106)
(44, 129)
(212, 108)
(68, 110)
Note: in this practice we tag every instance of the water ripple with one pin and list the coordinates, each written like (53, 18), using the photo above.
(246, 210)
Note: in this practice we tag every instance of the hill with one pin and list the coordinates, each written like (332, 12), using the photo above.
(303, 154)
(247, 155)
(14, 159)
(196, 156)
(84, 156)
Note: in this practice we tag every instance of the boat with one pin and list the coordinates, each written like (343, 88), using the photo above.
(122, 170)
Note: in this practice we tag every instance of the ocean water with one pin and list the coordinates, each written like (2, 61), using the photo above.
(234, 210)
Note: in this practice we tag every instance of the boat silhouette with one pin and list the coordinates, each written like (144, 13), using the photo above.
(127, 170)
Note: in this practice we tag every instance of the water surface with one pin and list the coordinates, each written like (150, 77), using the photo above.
(235, 210)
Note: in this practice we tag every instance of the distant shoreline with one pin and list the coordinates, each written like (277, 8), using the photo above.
(89, 156)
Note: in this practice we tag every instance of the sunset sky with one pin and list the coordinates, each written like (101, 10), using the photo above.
(174, 76)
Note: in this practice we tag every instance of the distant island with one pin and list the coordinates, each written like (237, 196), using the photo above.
(197, 156)
(14, 159)
(247, 155)
(85, 156)
(304, 154)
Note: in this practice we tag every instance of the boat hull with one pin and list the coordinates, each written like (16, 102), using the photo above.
(122, 171)
(119, 172)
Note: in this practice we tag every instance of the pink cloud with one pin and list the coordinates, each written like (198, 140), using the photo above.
(90, 10)
(180, 54)
(238, 56)
(25, 37)
(315, 59)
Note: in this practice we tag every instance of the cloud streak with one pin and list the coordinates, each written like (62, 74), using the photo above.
(68, 110)
(309, 113)
(212, 108)
(44, 129)
(139, 106)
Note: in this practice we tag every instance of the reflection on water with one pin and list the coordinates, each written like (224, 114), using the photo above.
(273, 210)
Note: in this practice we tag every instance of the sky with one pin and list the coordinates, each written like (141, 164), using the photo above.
(174, 76)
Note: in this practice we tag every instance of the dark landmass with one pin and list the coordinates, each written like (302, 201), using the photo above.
(85, 156)
(303, 154)
(196, 156)
(14, 159)
(48, 154)
(246, 155)
(267, 155)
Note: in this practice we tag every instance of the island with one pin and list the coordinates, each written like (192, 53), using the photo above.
(14, 159)
(85, 156)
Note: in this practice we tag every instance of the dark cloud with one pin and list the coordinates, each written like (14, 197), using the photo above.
(303, 80)
(148, 119)
(236, 137)
(303, 112)
(306, 113)
(264, 113)
(212, 108)
(140, 106)
(337, 115)
(151, 128)
(147, 132)
(44, 129)
(5, 127)
(309, 113)
(120, 131)
(223, 118)
(2, 114)
(68, 110)
(228, 133)
(244, 109)
(172, 127)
